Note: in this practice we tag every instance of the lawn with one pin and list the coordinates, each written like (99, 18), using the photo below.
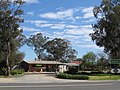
(105, 77)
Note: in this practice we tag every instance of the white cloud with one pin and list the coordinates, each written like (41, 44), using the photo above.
(82, 30)
(75, 40)
(88, 12)
(89, 46)
(74, 33)
(30, 13)
(29, 29)
(51, 25)
(87, 26)
(45, 25)
(87, 38)
(58, 15)
(29, 1)
(38, 23)
(32, 1)
(36, 33)
(58, 26)
(89, 20)
(78, 17)
(72, 26)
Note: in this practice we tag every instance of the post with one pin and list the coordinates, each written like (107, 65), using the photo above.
(56, 67)
(110, 68)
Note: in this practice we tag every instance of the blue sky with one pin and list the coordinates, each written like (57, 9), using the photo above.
(69, 19)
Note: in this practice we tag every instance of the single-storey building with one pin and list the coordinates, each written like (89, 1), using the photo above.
(45, 66)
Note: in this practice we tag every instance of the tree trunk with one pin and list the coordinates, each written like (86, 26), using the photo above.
(7, 59)
(115, 54)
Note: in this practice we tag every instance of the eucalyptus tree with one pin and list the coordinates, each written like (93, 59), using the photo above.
(107, 29)
(10, 32)
(60, 50)
(36, 42)
(89, 60)
(103, 60)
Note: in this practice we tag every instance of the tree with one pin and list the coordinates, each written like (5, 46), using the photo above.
(60, 50)
(89, 57)
(10, 32)
(89, 60)
(37, 42)
(15, 58)
(107, 29)
(102, 62)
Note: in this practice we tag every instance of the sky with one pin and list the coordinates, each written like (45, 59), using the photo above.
(69, 19)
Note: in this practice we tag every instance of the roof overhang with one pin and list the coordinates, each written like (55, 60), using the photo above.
(44, 62)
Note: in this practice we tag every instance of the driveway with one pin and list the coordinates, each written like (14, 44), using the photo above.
(41, 78)
(37, 78)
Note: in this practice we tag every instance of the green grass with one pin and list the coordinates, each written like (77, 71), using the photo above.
(105, 77)
(12, 76)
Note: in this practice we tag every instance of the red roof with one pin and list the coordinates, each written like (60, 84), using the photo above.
(77, 62)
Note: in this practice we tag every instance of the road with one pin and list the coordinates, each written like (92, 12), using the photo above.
(103, 85)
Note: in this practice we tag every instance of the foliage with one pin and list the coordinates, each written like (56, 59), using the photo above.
(103, 61)
(16, 72)
(90, 56)
(37, 42)
(92, 73)
(15, 58)
(2, 70)
(95, 62)
(72, 70)
(60, 49)
(10, 33)
(69, 76)
(88, 61)
(107, 29)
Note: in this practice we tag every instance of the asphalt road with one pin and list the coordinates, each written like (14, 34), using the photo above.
(107, 85)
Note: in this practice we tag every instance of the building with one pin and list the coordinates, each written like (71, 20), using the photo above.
(40, 66)
(45, 66)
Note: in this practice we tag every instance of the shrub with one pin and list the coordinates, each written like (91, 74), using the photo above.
(91, 73)
(70, 72)
(73, 70)
(98, 72)
(16, 72)
(69, 76)
(2, 71)
(84, 73)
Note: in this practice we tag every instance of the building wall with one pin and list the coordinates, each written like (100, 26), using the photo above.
(62, 68)
(42, 68)
(25, 66)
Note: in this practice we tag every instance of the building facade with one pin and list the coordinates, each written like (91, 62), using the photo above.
(46, 66)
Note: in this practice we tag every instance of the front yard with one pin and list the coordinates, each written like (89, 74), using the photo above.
(104, 77)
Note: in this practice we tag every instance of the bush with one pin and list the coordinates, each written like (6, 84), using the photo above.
(2, 71)
(70, 72)
(91, 73)
(84, 73)
(16, 72)
(69, 76)
(73, 70)
(98, 72)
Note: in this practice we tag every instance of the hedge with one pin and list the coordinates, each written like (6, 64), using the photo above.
(69, 76)
(16, 72)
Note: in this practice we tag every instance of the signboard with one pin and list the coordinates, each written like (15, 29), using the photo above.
(115, 70)
(115, 61)
(38, 65)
